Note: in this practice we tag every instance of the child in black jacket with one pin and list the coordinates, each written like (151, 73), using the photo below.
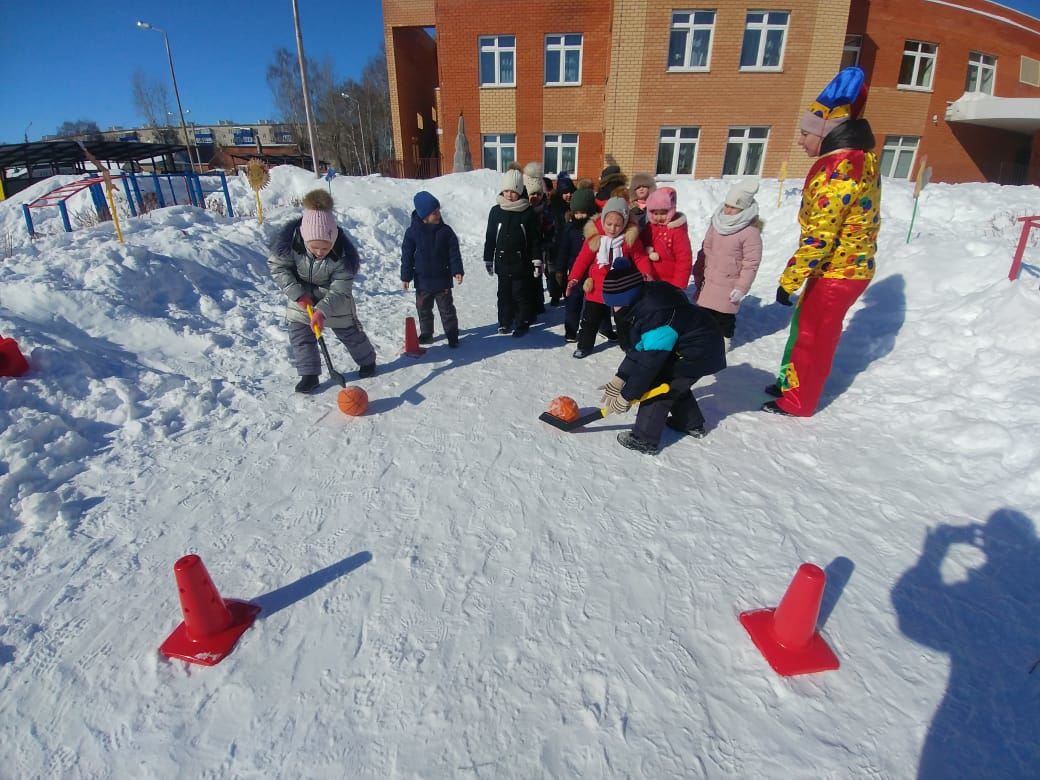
(430, 256)
(512, 249)
(675, 341)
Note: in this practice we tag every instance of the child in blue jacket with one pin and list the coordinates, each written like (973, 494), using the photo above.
(430, 258)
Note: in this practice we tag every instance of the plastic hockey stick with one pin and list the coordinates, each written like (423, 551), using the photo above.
(599, 414)
(325, 350)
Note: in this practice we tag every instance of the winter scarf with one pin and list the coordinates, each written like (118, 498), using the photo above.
(610, 249)
(727, 224)
(514, 205)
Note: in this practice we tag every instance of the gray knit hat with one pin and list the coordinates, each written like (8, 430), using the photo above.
(620, 205)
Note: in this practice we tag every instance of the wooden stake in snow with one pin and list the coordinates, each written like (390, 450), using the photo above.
(924, 175)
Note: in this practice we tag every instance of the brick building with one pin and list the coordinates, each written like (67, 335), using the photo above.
(681, 90)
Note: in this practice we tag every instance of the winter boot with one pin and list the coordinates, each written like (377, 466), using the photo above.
(520, 330)
(774, 408)
(633, 442)
(696, 433)
(582, 353)
(307, 383)
(774, 390)
(425, 338)
(366, 371)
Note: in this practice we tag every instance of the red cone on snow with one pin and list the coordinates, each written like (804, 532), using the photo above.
(787, 635)
(411, 339)
(12, 361)
(211, 624)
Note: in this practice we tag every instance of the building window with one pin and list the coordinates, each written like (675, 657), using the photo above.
(499, 151)
(982, 72)
(897, 157)
(850, 54)
(918, 65)
(744, 151)
(562, 59)
(764, 35)
(689, 47)
(677, 150)
(244, 136)
(283, 137)
(203, 136)
(497, 57)
(1029, 71)
(560, 153)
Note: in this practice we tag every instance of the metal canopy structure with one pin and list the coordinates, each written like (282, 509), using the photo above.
(69, 152)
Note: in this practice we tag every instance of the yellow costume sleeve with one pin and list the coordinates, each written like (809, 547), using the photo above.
(825, 204)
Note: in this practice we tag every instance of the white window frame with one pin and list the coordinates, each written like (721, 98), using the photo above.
(494, 141)
(853, 44)
(689, 27)
(977, 60)
(746, 141)
(896, 144)
(558, 143)
(674, 138)
(919, 55)
(764, 27)
(491, 44)
(557, 42)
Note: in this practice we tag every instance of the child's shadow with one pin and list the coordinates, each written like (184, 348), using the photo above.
(739, 388)
(757, 320)
(475, 346)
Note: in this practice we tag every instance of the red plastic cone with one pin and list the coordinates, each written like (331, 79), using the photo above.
(12, 361)
(411, 340)
(787, 635)
(211, 624)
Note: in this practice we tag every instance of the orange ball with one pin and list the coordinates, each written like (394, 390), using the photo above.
(564, 407)
(353, 401)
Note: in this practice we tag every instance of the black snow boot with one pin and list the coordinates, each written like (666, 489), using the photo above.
(774, 390)
(633, 442)
(366, 371)
(697, 432)
(307, 383)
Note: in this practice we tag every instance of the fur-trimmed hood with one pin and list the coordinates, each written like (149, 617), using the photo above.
(593, 230)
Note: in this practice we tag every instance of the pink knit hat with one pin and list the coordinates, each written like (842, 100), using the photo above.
(318, 225)
(662, 199)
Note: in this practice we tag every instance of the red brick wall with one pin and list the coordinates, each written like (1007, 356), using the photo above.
(956, 151)
(415, 63)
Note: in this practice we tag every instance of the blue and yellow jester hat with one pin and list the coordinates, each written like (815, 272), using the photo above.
(840, 101)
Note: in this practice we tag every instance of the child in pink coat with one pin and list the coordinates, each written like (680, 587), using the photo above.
(729, 258)
(667, 240)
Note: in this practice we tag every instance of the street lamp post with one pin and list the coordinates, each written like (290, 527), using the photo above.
(176, 92)
(303, 82)
(361, 124)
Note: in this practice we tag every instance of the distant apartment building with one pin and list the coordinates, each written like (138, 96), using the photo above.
(710, 90)
(224, 133)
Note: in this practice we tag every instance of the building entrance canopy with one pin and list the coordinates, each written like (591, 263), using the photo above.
(1019, 115)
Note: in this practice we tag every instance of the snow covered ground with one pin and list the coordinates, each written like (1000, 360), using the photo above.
(453, 589)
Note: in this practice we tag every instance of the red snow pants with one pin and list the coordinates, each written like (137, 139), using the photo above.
(815, 332)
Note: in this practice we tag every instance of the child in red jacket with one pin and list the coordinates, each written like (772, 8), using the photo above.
(608, 237)
(667, 240)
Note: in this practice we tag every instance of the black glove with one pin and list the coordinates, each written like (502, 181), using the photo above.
(490, 268)
(783, 297)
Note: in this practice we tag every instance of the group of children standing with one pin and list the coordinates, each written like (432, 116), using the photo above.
(620, 257)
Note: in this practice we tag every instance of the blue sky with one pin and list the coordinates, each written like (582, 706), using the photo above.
(67, 59)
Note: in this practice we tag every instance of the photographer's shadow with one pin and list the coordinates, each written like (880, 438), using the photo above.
(986, 725)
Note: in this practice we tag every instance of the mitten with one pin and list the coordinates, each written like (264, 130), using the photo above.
(783, 297)
(611, 390)
(537, 268)
(588, 285)
(490, 267)
(736, 296)
(317, 319)
(654, 257)
(617, 406)
(570, 286)
(305, 301)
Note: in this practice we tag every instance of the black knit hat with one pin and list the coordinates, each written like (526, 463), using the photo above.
(584, 200)
(622, 284)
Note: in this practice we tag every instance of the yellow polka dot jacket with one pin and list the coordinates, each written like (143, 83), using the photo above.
(839, 218)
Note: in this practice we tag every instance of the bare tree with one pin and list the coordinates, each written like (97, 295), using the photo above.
(339, 121)
(152, 101)
(87, 129)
